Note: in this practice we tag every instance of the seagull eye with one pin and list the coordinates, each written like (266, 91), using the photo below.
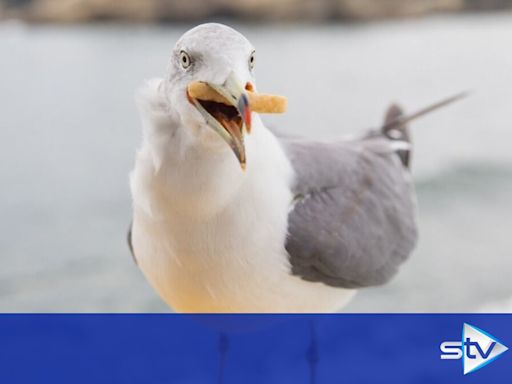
(184, 60)
(252, 60)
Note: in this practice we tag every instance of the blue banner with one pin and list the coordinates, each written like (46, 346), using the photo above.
(255, 348)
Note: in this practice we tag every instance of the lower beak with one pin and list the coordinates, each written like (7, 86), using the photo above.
(230, 118)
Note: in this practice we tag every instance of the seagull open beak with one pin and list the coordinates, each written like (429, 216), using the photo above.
(229, 114)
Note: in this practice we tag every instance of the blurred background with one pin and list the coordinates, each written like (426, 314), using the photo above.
(69, 130)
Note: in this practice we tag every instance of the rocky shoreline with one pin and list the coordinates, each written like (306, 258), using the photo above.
(71, 11)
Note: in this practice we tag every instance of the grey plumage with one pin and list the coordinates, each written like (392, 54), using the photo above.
(353, 219)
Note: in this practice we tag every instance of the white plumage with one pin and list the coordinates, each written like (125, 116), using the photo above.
(208, 236)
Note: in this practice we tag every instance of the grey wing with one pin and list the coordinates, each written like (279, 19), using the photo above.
(353, 220)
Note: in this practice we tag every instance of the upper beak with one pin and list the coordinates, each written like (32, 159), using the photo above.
(232, 130)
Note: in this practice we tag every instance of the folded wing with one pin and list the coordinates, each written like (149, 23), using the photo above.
(352, 223)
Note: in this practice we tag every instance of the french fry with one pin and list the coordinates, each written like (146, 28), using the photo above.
(265, 103)
(259, 102)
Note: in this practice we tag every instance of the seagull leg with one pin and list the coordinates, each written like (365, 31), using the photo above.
(312, 354)
(223, 346)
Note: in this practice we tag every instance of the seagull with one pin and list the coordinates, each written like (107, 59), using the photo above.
(230, 216)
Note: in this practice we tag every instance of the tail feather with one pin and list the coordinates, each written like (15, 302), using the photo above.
(395, 130)
(395, 124)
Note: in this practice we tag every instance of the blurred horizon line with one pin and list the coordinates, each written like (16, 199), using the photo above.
(164, 11)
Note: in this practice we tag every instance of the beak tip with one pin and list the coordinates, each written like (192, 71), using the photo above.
(247, 119)
(245, 110)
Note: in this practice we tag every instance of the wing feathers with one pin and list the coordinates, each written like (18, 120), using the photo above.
(353, 223)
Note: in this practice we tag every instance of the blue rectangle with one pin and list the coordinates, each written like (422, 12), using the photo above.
(256, 348)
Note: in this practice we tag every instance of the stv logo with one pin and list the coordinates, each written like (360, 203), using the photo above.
(477, 349)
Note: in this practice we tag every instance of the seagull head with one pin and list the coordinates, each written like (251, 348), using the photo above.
(222, 59)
